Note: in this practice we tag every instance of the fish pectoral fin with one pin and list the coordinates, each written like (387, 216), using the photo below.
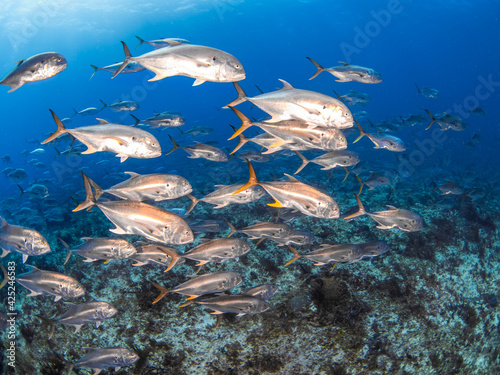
(89, 150)
(89, 260)
(117, 368)
(120, 141)
(118, 230)
(201, 263)
(276, 204)
(5, 253)
(191, 297)
(384, 227)
(278, 143)
(139, 264)
(198, 82)
(122, 157)
(57, 298)
(33, 293)
(216, 312)
(158, 76)
(240, 314)
(77, 327)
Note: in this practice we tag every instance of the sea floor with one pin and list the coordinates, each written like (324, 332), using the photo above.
(428, 306)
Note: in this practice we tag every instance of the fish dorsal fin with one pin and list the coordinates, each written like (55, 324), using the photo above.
(343, 63)
(291, 178)
(286, 85)
(392, 207)
(3, 223)
(19, 62)
(102, 122)
(132, 174)
(191, 276)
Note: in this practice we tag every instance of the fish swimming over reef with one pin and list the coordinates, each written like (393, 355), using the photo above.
(125, 141)
(45, 282)
(132, 217)
(209, 283)
(240, 304)
(34, 68)
(27, 242)
(99, 359)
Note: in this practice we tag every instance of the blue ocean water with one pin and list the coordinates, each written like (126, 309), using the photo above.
(445, 45)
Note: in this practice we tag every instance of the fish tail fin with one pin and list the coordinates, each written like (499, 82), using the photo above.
(95, 70)
(180, 131)
(241, 96)
(295, 253)
(347, 171)
(252, 181)
(433, 120)
(141, 41)
(233, 229)
(137, 121)
(175, 145)
(66, 246)
(163, 292)
(362, 132)
(318, 66)
(75, 112)
(89, 197)
(58, 153)
(22, 191)
(242, 141)
(175, 258)
(104, 105)
(128, 58)
(194, 202)
(418, 90)
(246, 123)
(60, 129)
(5, 276)
(97, 189)
(361, 210)
(338, 96)
(304, 161)
(50, 322)
(361, 183)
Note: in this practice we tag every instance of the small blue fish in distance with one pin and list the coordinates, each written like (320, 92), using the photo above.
(99, 359)
(34, 68)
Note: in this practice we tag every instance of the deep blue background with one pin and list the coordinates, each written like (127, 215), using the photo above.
(446, 45)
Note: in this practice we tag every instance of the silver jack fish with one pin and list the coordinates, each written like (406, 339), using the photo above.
(199, 62)
(106, 249)
(297, 195)
(216, 282)
(125, 141)
(154, 187)
(131, 217)
(34, 68)
(83, 313)
(389, 142)
(404, 220)
(290, 103)
(332, 159)
(44, 282)
(296, 132)
(217, 250)
(330, 253)
(99, 359)
(226, 195)
(240, 304)
(200, 150)
(347, 73)
(22, 240)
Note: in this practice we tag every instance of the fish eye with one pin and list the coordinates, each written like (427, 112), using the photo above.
(346, 114)
(133, 138)
(214, 58)
(324, 107)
